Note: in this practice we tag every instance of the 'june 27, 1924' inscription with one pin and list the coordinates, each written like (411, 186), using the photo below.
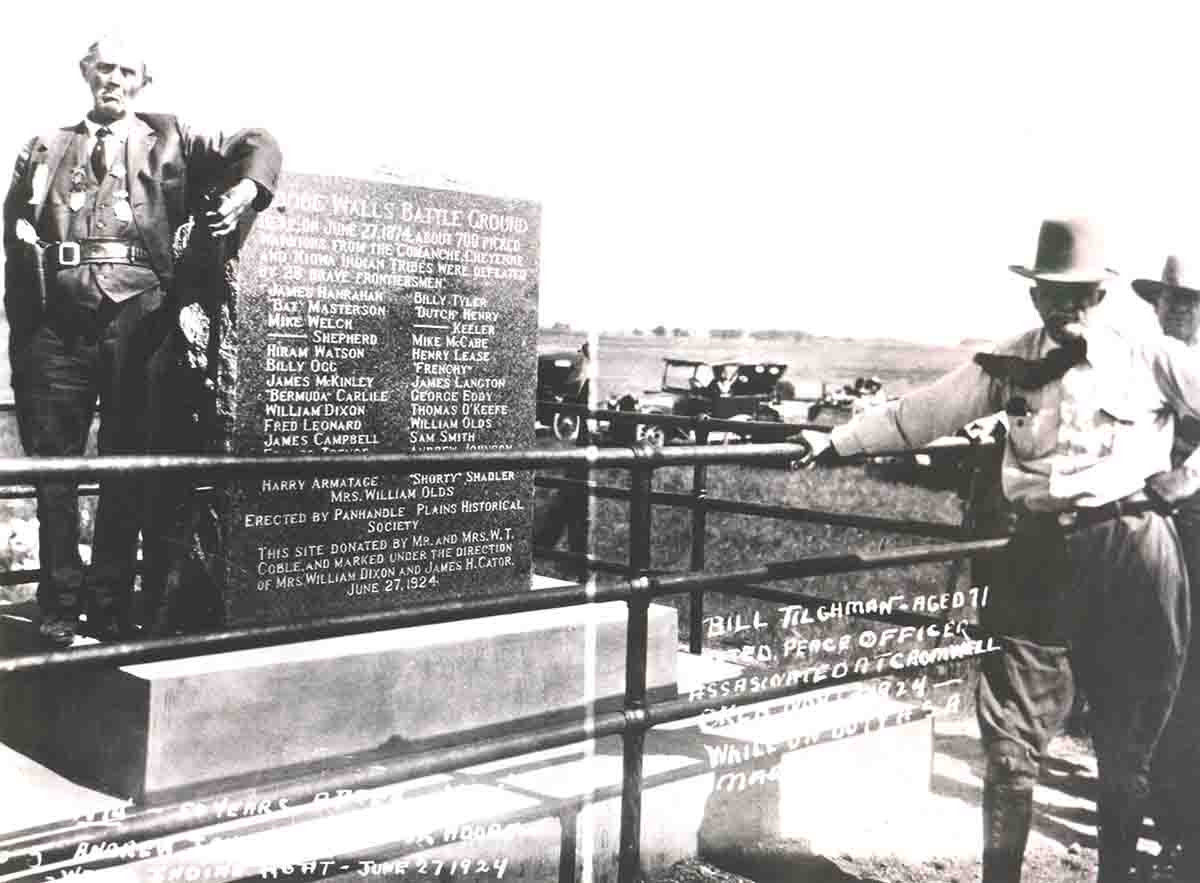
(377, 317)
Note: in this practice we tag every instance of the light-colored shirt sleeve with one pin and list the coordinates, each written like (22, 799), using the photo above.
(1091, 437)
(942, 408)
(1176, 370)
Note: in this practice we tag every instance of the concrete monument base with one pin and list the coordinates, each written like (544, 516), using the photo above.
(835, 772)
(148, 730)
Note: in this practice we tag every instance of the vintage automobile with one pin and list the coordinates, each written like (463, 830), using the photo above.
(840, 403)
(562, 379)
(731, 389)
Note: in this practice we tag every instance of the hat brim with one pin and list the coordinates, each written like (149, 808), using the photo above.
(1100, 274)
(1149, 289)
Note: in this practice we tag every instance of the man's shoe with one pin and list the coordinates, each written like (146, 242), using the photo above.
(57, 631)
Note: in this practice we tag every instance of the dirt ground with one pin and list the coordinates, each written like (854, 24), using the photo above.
(940, 839)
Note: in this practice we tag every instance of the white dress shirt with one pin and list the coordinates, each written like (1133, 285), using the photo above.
(1087, 439)
(114, 144)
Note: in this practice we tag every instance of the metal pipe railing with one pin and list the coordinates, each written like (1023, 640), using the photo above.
(697, 502)
(642, 585)
(648, 586)
(636, 648)
(149, 823)
(18, 470)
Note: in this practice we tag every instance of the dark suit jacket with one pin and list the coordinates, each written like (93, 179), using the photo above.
(170, 169)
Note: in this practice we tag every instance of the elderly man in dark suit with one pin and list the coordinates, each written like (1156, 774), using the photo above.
(89, 222)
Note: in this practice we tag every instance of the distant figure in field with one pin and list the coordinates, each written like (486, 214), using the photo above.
(724, 379)
(579, 378)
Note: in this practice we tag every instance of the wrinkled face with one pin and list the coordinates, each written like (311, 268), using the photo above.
(115, 74)
(1178, 313)
(1065, 306)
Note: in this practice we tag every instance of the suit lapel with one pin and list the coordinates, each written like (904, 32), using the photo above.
(137, 148)
(51, 150)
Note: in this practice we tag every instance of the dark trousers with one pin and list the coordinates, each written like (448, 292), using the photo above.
(1104, 609)
(1175, 775)
(77, 360)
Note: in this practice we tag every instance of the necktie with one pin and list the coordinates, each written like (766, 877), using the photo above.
(1034, 373)
(99, 160)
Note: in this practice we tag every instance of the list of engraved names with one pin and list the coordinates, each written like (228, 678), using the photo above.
(333, 278)
(389, 319)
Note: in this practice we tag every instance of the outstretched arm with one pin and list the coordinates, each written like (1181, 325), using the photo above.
(916, 419)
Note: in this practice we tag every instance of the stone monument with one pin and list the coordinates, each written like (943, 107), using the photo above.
(361, 316)
(369, 316)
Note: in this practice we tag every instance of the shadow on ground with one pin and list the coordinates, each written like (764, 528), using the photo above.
(776, 863)
(1072, 780)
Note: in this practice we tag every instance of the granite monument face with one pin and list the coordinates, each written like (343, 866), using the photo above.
(377, 317)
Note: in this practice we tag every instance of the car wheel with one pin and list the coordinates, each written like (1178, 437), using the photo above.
(655, 436)
(566, 427)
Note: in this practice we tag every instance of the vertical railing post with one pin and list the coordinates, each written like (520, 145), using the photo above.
(579, 527)
(568, 845)
(699, 528)
(629, 863)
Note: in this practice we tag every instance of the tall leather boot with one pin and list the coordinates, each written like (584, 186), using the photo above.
(1007, 814)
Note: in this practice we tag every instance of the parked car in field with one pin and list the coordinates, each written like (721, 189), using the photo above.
(731, 389)
(842, 402)
(562, 379)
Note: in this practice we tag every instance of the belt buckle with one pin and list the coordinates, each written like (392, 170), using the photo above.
(1066, 520)
(69, 254)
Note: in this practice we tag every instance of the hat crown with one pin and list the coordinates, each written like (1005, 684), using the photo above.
(1065, 246)
(1172, 273)
(1068, 250)
(1174, 279)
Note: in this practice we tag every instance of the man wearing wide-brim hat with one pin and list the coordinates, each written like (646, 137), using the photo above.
(1175, 298)
(1091, 588)
(1175, 773)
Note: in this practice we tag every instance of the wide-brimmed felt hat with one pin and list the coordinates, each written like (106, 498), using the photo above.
(1068, 250)
(1173, 279)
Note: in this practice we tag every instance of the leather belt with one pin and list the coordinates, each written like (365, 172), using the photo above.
(64, 255)
(1088, 516)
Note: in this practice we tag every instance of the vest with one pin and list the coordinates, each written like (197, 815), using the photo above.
(87, 285)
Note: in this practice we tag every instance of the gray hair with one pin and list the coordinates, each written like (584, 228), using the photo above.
(113, 40)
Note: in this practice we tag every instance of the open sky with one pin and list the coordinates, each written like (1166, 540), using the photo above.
(852, 168)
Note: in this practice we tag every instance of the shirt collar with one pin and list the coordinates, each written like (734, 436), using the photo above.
(119, 127)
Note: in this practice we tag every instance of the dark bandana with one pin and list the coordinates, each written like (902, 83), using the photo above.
(1034, 373)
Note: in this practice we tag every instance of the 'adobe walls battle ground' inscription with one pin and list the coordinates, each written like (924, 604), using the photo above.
(376, 317)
